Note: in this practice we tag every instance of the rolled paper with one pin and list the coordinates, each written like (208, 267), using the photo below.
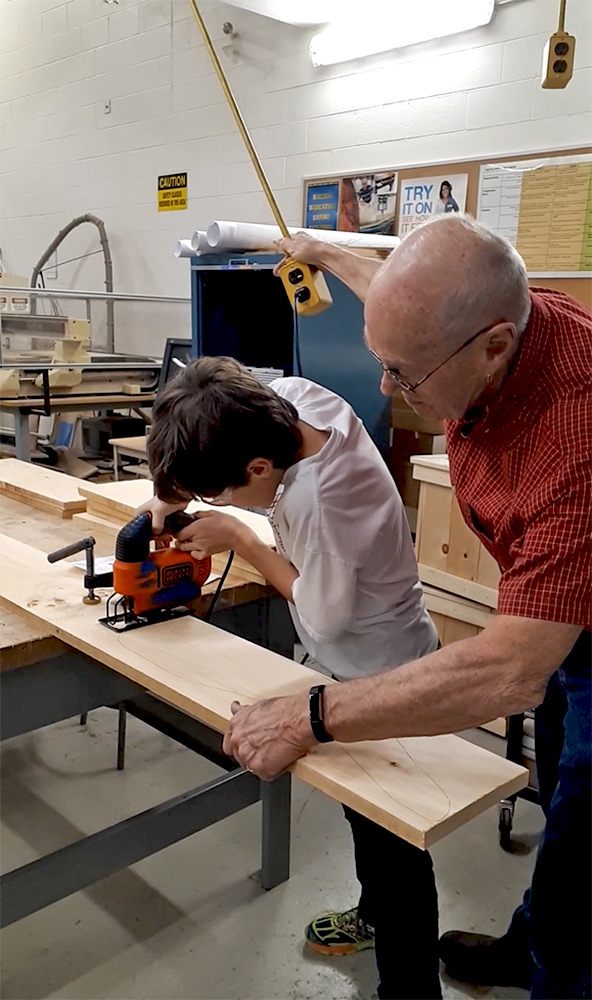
(224, 235)
(184, 249)
(199, 241)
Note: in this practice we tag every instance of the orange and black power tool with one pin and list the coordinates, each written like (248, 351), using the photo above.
(152, 585)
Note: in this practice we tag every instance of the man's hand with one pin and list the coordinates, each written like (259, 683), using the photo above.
(214, 532)
(269, 736)
(304, 248)
(160, 510)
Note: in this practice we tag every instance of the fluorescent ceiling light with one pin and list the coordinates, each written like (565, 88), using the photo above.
(389, 25)
(305, 12)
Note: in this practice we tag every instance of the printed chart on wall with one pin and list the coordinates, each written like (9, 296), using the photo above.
(423, 198)
(356, 203)
(544, 208)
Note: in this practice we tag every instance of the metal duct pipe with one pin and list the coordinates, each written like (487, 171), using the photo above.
(78, 221)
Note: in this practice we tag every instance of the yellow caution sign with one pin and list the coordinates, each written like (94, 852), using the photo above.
(172, 192)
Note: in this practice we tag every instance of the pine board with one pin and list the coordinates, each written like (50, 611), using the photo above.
(120, 500)
(89, 522)
(420, 788)
(242, 571)
(42, 488)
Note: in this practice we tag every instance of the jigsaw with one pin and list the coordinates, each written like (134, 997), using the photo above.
(152, 585)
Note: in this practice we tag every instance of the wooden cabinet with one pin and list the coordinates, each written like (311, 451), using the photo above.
(458, 575)
(449, 555)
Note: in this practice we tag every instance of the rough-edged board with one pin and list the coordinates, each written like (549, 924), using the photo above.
(24, 642)
(42, 488)
(419, 788)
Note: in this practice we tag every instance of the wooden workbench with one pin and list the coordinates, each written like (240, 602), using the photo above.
(180, 677)
(24, 642)
(59, 683)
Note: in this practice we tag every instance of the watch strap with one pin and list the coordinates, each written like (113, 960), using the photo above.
(315, 704)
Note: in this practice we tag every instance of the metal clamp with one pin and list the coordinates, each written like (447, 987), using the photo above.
(91, 579)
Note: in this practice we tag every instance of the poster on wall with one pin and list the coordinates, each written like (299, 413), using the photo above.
(424, 198)
(544, 208)
(353, 203)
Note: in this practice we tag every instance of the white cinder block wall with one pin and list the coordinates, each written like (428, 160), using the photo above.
(472, 95)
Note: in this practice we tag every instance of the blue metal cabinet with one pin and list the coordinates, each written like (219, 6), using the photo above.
(239, 308)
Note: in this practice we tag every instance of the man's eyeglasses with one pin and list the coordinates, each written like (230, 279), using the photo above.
(394, 374)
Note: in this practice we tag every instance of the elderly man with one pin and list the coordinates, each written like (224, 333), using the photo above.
(451, 320)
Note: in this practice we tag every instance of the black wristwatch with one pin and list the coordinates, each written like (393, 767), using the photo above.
(315, 704)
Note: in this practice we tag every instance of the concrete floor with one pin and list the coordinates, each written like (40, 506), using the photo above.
(192, 922)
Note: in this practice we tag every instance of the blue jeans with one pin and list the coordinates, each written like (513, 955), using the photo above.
(553, 922)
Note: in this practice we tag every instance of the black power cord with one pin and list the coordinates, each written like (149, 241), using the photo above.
(296, 334)
(210, 610)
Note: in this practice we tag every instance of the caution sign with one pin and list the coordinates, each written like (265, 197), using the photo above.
(172, 192)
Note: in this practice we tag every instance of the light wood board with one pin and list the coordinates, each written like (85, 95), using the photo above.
(39, 487)
(419, 788)
(128, 401)
(120, 500)
(24, 642)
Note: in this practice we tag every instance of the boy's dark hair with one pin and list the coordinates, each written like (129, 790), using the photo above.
(209, 421)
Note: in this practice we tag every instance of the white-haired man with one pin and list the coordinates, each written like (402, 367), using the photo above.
(451, 320)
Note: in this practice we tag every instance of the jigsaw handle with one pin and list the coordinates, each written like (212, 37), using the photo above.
(133, 541)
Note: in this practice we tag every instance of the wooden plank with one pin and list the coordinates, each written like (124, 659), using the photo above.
(434, 539)
(431, 469)
(89, 523)
(41, 487)
(440, 602)
(121, 500)
(456, 630)
(136, 444)
(497, 726)
(454, 584)
(24, 642)
(38, 504)
(465, 547)
(427, 475)
(419, 788)
(488, 571)
(127, 401)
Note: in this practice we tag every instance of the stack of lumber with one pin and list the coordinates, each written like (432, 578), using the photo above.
(53, 492)
(111, 505)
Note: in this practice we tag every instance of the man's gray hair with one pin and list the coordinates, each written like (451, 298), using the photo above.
(493, 285)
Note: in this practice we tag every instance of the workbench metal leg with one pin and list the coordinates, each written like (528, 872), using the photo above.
(21, 436)
(276, 801)
(90, 859)
(116, 463)
(121, 729)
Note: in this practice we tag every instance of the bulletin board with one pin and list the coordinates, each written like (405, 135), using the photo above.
(544, 208)
(580, 287)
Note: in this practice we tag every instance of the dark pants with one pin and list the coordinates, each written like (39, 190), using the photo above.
(553, 922)
(400, 901)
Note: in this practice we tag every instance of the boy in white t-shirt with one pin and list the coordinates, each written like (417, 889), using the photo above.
(344, 561)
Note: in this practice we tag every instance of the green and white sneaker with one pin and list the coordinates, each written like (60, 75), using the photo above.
(339, 933)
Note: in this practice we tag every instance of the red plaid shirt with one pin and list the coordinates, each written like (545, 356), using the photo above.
(522, 474)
